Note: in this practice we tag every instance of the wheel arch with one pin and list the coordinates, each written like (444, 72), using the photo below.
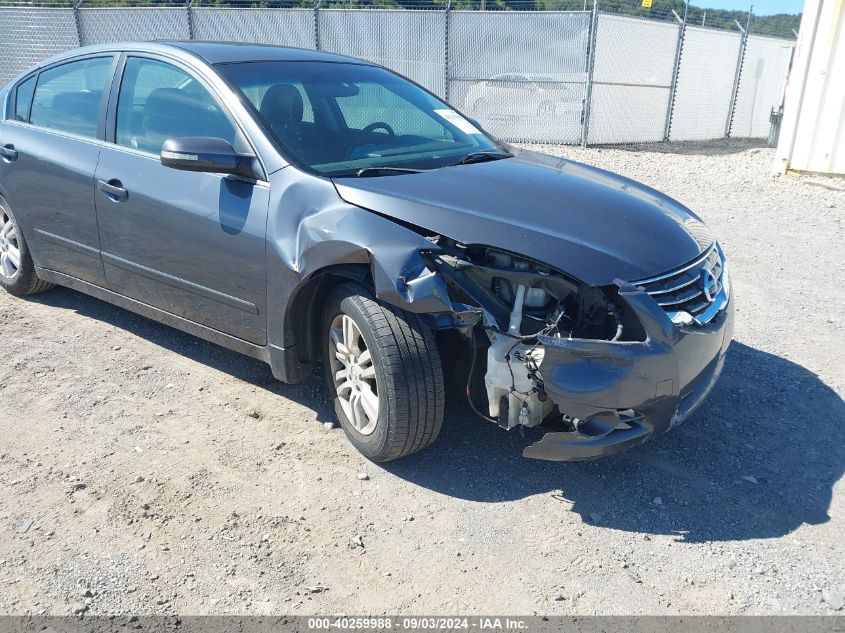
(294, 361)
(339, 244)
(304, 310)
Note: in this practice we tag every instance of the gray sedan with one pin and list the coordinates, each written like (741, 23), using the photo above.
(309, 209)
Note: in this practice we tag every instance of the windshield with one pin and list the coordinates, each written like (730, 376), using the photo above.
(338, 119)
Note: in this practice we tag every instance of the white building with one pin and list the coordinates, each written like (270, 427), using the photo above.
(812, 136)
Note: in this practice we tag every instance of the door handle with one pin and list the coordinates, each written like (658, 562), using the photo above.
(113, 189)
(8, 152)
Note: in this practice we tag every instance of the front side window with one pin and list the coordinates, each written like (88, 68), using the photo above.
(338, 118)
(23, 99)
(67, 98)
(158, 101)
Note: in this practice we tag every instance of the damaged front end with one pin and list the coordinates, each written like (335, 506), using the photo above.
(611, 366)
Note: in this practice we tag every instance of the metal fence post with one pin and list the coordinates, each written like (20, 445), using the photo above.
(189, 12)
(738, 74)
(77, 19)
(670, 110)
(317, 24)
(446, 53)
(591, 61)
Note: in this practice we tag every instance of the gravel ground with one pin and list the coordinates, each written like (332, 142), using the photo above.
(149, 472)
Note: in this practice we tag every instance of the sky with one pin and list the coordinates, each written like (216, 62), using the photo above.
(761, 7)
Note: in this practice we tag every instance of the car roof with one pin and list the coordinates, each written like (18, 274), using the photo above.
(231, 52)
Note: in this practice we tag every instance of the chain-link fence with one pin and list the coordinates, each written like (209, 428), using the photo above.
(409, 42)
(706, 76)
(283, 27)
(632, 78)
(525, 83)
(761, 85)
(578, 76)
(30, 34)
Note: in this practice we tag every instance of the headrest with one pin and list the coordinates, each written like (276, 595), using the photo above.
(282, 105)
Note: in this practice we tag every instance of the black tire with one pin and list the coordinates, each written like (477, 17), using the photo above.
(408, 374)
(24, 280)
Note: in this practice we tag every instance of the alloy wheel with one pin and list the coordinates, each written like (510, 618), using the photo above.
(10, 248)
(354, 374)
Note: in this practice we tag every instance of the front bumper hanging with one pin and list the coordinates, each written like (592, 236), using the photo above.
(624, 393)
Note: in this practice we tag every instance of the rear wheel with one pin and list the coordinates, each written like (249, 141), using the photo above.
(383, 371)
(17, 272)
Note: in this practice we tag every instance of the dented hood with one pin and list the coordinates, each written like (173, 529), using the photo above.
(590, 223)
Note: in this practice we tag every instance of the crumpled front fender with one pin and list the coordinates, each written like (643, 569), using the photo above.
(312, 231)
(352, 235)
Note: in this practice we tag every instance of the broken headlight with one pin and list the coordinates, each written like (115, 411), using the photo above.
(522, 300)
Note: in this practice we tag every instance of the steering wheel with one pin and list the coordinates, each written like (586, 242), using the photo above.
(379, 125)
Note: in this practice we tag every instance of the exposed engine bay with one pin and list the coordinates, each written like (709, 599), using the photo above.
(557, 294)
(521, 301)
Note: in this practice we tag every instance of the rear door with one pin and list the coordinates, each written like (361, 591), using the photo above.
(189, 243)
(50, 152)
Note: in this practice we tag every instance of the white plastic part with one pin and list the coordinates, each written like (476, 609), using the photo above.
(516, 312)
(536, 298)
(510, 379)
(812, 135)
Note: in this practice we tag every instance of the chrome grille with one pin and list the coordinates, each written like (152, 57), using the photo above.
(694, 293)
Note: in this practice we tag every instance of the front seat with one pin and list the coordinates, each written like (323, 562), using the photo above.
(282, 109)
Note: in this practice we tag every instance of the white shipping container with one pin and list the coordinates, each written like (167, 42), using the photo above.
(812, 137)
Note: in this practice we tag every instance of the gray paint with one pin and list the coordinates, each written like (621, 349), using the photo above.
(592, 224)
(664, 378)
(50, 187)
(189, 243)
(240, 262)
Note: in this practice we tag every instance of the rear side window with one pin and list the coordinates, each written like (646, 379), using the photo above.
(158, 101)
(67, 97)
(23, 99)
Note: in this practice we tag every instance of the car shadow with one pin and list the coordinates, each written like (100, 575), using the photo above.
(310, 393)
(717, 147)
(757, 460)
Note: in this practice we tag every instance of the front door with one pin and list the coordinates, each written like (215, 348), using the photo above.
(186, 242)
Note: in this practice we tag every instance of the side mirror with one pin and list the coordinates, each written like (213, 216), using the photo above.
(205, 153)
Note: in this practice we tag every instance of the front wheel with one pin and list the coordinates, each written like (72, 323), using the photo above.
(383, 371)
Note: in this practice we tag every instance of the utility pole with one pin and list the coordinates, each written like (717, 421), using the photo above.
(682, 31)
(738, 76)
(588, 86)
(446, 55)
(317, 24)
(190, 16)
(77, 20)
